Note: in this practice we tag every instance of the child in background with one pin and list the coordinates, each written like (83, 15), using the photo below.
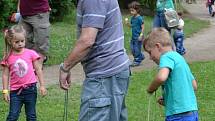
(211, 7)
(18, 76)
(137, 27)
(175, 77)
(178, 36)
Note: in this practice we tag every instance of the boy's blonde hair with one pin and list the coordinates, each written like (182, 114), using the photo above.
(10, 34)
(157, 35)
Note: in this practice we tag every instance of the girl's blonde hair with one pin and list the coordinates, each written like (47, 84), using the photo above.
(157, 35)
(9, 35)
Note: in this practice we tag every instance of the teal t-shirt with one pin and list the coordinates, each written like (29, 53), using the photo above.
(136, 26)
(178, 92)
(161, 4)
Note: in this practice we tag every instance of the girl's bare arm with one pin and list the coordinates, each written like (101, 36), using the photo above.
(5, 77)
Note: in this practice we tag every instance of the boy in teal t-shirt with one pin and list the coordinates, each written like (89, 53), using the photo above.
(175, 77)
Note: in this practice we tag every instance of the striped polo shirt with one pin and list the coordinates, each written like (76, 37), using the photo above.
(107, 56)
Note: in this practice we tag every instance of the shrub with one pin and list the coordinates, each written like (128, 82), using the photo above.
(60, 8)
(148, 6)
(7, 7)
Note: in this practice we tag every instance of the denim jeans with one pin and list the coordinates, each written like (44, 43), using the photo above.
(159, 20)
(210, 9)
(28, 97)
(179, 41)
(193, 116)
(103, 99)
(136, 47)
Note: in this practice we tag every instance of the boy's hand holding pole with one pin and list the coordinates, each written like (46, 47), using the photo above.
(161, 100)
(149, 91)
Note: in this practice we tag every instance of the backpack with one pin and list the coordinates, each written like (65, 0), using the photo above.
(171, 18)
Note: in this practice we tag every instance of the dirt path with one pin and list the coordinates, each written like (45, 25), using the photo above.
(200, 47)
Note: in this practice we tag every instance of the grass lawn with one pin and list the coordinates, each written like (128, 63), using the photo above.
(51, 107)
(63, 36)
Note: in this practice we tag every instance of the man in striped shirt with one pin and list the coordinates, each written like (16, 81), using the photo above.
(100, 49)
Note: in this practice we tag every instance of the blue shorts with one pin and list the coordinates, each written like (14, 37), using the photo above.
(103, 99)
(188, 116)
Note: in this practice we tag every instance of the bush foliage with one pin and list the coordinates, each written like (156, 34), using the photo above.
(60, 8)
(7, 7)
(148, 6)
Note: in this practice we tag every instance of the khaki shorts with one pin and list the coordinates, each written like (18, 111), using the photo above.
(37, 32)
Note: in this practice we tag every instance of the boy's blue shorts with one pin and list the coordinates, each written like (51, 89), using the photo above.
(188, 116)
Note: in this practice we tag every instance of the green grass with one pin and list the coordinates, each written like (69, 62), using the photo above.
(63, 36)
(51, 107)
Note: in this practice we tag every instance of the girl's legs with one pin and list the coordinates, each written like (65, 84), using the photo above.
(30, 97)
(16, 102)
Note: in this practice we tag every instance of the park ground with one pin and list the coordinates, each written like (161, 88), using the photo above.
(200, 47)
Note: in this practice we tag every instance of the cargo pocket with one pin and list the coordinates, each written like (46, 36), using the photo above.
(121, 82)
(42, 38)
(99, 109)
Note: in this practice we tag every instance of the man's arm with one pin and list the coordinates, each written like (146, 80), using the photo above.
(81, 48)
(160, 78)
